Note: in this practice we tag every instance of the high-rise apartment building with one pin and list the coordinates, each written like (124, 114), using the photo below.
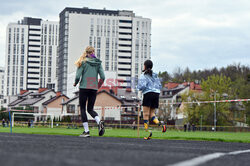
(121, 39)
(31, 54)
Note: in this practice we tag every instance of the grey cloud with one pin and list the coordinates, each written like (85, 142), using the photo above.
(184, 32)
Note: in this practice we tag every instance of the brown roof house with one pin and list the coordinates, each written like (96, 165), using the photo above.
(107, 105)
(130, 104)
(53, 106)
(23, 95)
(36, 99)
(171, 93)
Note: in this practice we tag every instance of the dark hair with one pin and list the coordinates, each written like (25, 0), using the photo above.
(148, 67)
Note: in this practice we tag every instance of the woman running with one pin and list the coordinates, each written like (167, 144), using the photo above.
(150, 85)
(88, 68)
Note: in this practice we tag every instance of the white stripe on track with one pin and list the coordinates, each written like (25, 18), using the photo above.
(203, 159)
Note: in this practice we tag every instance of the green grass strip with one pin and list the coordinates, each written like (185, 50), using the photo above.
(243, 137)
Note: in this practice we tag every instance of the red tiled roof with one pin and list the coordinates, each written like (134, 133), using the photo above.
(171, 85)
(192, 85)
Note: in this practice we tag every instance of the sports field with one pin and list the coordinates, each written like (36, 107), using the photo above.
(243, 137)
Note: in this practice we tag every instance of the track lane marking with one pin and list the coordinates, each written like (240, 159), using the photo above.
(205, 158)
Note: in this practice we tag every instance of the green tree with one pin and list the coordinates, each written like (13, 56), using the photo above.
(164, 76)
(3, 115)
(216, 86)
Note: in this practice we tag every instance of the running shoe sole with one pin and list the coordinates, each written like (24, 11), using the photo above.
(84, 136)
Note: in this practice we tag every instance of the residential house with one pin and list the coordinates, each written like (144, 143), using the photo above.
(43, 102)
(130, 104)
(107, 106)
(53, 106)
(171, 93)
(36, 99)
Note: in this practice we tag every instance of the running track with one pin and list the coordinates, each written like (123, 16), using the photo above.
(40, 150)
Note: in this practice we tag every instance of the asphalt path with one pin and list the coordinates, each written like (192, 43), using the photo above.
(40, 150)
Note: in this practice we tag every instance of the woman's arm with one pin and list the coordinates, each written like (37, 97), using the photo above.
(159, 82)
(78, 74)
(142, 82)
(102, 76)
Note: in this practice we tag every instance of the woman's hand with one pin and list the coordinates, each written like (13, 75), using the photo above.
(74, 84)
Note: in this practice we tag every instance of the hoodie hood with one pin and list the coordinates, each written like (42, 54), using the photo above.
(93, 61)
(154, 75)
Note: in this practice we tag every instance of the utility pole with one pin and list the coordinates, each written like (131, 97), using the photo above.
(201, 124)
(215, 111)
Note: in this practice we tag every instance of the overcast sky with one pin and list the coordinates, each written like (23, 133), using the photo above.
(198, 34)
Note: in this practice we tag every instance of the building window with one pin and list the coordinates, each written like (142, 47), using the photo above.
(17, 50)
(98, 42)
(98, 53)
(92, 30)
(90, 41)
(22, 38)
(22, 49)
(9, 38)
(14, 49)
(45, 39)
(22, 71)
(50, 50)
(107, 43)
(71, 108)
(45, 29)
(50, 29)
(22, 59)
(17, 38)
(21, 81)
(107, 55)
(9, 49)
(8, 60)
(106, 65)
(98, 30)
(108, 31)
(49, 40)
(49, 72)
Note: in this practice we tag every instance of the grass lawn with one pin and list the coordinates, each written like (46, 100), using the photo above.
(129, 133)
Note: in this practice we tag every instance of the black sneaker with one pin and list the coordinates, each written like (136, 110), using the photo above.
(163, 127)
(149, 137)
(101, 128)
(85, 134)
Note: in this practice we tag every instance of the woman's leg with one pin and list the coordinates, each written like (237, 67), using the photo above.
(146, 111)
(82, 103)
(91, 103)
(146, 114)
(153, 117)
(156, 121)
(90, 108)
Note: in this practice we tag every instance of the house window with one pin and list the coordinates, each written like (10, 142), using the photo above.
(109, 118)
(71, 108)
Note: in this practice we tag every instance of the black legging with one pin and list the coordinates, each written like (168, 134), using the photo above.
(90, 95)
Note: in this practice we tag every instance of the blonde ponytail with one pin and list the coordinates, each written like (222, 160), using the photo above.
(89, 50)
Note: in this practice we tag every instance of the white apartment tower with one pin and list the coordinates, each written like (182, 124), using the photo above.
(31, 54)
(121, 40)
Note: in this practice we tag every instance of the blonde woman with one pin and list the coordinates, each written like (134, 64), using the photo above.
(88, 68)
